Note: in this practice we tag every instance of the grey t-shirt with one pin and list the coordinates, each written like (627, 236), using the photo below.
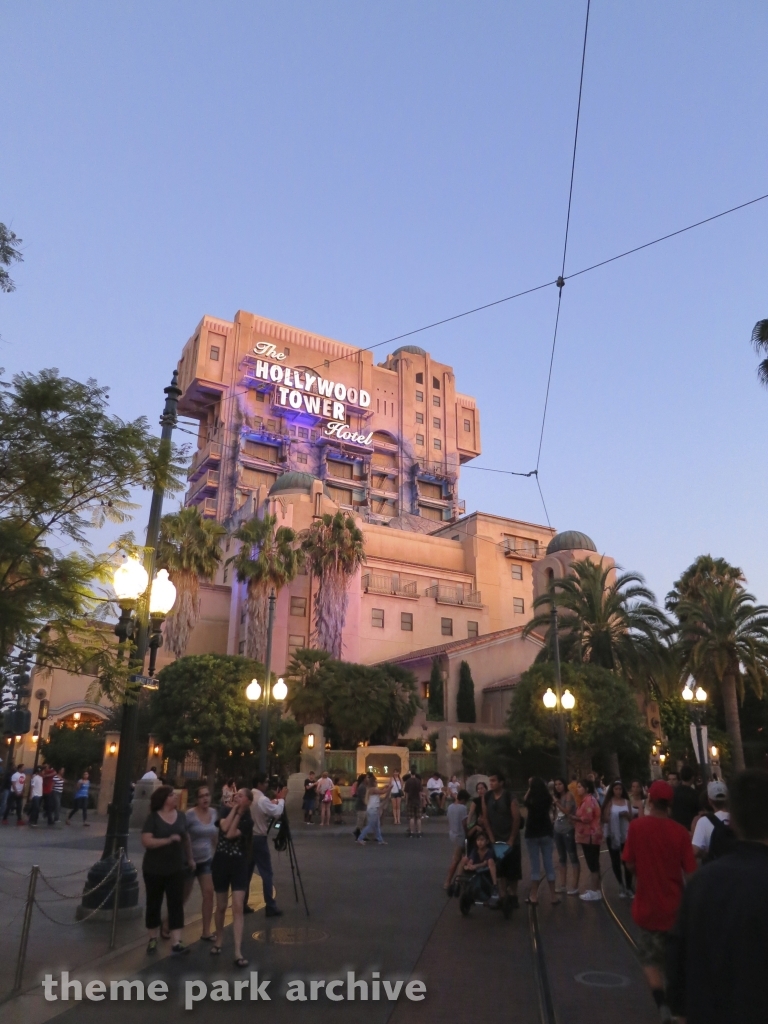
(457, 815)
(203, 837)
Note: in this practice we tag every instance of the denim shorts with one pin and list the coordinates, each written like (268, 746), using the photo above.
(566, 847)
(203, 867)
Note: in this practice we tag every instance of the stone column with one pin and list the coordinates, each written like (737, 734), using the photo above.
(313, 749)
(108, 767)
(449, 746)
(154, 755)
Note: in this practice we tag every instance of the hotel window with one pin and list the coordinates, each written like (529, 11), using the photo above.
(301, 458)
(419, 378)
(419, 417)
(292, 431)
(419, 396)
(304, 433)
(468, 426)
(299, 606)
(295, 643)
(420, 439)
(215, 353)
(446, 627)
(406, 621)
(518, 606)
(436, 400)
(437, 422)
(341, 470)
(259, 396)
(437, 443)
(272, 425)
(472, 630)
(241, 647)
(377, 617)
(517, 572)
(436, 383)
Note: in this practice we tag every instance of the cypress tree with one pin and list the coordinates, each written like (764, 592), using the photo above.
(436, 702)
(465, 697)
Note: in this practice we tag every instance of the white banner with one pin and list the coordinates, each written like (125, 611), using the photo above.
(695, 743)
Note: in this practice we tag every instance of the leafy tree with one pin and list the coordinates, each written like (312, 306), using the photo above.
(465, 697)
(436, 699)
(200, 706)
(614, 624)
(722, 641)
(10, 252)
(267, 558)
(354, 703)
(66, 465)
(606, 718)
(189, 549)
(334, 547)
(760, 345)
(74, 750)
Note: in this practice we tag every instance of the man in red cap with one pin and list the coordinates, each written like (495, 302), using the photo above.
(659, 852)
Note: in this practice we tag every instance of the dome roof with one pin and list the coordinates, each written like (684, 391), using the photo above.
(301, 482)
(413, 349)
(570, 540)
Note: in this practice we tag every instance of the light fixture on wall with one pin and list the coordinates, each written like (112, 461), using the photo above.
(310, 740)
(454, 743)
(112, 748)
(77, 716)
(156, 750)
(427, 747)
(713, 750)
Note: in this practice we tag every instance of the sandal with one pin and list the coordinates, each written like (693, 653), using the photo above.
(208, 938)
(152, 946)
(215, 950)
(241, 962)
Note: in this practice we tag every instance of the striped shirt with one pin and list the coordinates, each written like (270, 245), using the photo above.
(58, 783)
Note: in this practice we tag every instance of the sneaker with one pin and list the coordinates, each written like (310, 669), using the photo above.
(560, 888)
(494, 900)
(248, 910)
(273, 912)
(591, 895)
(573, 892)
(180, 949)
(623, 894)
(152, 946)
(360, 842)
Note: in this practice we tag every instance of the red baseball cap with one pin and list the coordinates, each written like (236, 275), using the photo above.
(661, 791)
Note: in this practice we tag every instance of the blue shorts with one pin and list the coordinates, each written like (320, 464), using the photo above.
(203, 867)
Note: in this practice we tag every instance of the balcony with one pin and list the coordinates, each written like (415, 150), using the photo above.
(208, 507)
(373, 583)
(209, 481)
(210, 452)
(446, 594)
(518, 547)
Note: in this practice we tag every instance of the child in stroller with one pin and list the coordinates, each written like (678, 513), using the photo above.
(477, 881)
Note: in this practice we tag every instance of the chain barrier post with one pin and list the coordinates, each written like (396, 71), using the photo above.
(25, 928)
(116, 899)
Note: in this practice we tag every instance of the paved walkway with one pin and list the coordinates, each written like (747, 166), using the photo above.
(371, 909)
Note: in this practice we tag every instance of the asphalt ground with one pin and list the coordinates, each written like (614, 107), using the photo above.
(373, 909)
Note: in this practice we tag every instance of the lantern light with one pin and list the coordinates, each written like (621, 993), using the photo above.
(156, 749)
(701, 695)
(18, 739)
(427, 747)
(310, 740)
(713, 750)
(130, 580)
(687, 693)
(549, 698)
(253, 690)
(163, 594)
(280, 690)
(568, 700)
(77, 716)
(112, 748)
(454, 743)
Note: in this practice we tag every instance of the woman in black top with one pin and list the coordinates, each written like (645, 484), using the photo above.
(539, 839)
(230, 868)
(167, 854)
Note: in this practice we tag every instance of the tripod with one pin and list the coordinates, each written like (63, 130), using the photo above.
(284, 841)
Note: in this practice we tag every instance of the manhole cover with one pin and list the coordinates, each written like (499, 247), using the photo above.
(290, 936)
(602, 979)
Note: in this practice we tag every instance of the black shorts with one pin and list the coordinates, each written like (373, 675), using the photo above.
(229, 873)
(511, 866)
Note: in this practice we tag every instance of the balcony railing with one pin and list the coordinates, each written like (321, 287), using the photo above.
(444, 594)
(519, 548)
(376, 584)
(210, 452)
(208, 507)
(208, 481)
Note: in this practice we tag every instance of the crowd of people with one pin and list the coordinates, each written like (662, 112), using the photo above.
(39, 793)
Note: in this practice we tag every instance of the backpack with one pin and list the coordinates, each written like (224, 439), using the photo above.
(722, 841)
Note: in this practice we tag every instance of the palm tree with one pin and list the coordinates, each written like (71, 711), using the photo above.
(760, 345)
(333, 545)
(723, 644)
(705, 571)
(189, 548)
(268, 558)
(613, 624)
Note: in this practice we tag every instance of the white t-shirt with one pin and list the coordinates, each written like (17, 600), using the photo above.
(36, 786)
(323, 785)
(17, 782)
(149, 775)
(453, 788)
(435, 786)
(702, 834)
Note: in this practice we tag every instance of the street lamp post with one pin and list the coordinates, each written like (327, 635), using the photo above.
(118, 821)
(558, 695)
(696, 700)
(264, 739)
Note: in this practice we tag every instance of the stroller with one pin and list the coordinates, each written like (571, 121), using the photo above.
(475, 888)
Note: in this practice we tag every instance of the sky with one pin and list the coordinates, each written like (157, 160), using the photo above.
(361, 170)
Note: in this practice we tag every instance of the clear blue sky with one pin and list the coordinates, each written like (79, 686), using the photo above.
(362, 169)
